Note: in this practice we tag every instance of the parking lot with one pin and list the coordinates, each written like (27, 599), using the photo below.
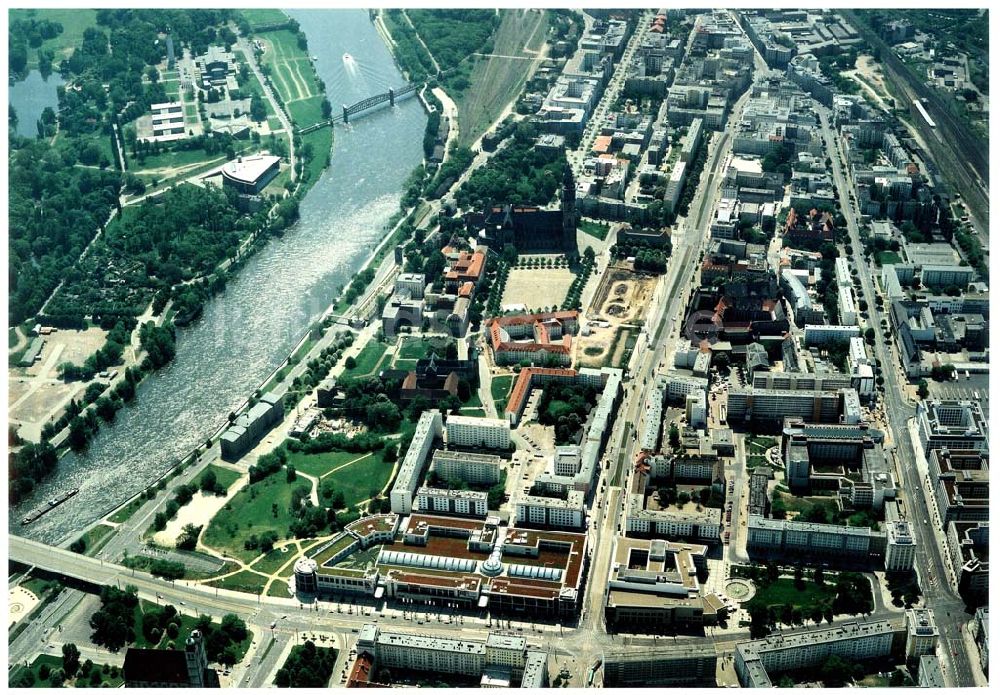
(964, 389)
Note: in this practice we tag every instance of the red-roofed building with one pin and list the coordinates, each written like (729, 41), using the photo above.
(543, 337)
(468, 268)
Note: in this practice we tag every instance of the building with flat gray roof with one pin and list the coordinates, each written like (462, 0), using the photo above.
(250, 427)
(502, 658)
(955, 425)
(756, 661)
(429, 428)
(663, 666)
(767, 537)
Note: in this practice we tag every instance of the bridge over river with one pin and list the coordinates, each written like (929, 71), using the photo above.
(361, 107)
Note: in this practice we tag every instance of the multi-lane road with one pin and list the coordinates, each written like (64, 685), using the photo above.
(948, 608)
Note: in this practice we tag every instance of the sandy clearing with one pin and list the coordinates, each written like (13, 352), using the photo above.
(537, 288)
(199, 511)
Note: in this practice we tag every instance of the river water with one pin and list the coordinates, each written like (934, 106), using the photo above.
(246, 332)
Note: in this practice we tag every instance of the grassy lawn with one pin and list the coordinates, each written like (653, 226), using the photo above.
(173, 158)
(241, 581)
(293, 76)
(74, 22)
(416, 348)
(474, 400)
(186, 623)
(783, 591)
(319, 464)
(123, 514)
(887, 258)
(96, 537)
(38, 586)
(250, 513)
(306, 111)
(258, 16)
(275, 560)
(758, 445)
(321, 141)
(500, 390)
(224, 476)
(358, 480)
(495, 82)
(595, 229)
(368, 359)
(279, 589)
(473, 412)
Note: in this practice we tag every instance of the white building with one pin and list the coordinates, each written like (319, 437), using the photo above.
(921, 633)
(483, 469)
(756, 660)
(462, 502)
(900, 547)
(696, 409)
(486, 432)
(552, 511)
(411, 470)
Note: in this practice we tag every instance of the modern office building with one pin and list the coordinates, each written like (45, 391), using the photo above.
(500, 661)
(752, 404)
(433, 500)
(955, 425)
(676, 666)
(921, 633)
(825, 334)
(653, 584)
(249, 175)
(960, 481)
(556, 512)
(485, 432)
(249, 428)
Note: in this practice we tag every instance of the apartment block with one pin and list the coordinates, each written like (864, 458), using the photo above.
(756, 661)
(488, 433)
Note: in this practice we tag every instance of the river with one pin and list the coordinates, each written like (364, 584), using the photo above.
(248, 330)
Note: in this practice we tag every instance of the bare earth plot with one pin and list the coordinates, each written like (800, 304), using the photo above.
(537, 288)
(497, 80)
(620, 300)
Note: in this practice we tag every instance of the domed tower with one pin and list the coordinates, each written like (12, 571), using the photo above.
(569, 212)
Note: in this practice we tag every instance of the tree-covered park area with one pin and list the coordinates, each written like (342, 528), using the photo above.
(809, 594)
(123, 620)
(519, 174)
(307, 666)
(565, 407)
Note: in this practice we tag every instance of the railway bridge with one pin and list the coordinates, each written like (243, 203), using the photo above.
(358, 108)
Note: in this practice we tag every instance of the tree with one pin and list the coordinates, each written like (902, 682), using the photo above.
(818, 576)
(208, 481)
(759, 621)
(675, 436)
(799, 581)
(290, 473)
(870, 336)
(922, 389)
(70, 658)
(350, 363)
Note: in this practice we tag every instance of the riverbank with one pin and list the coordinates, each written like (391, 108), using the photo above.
(349, 219)
(76, 429)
